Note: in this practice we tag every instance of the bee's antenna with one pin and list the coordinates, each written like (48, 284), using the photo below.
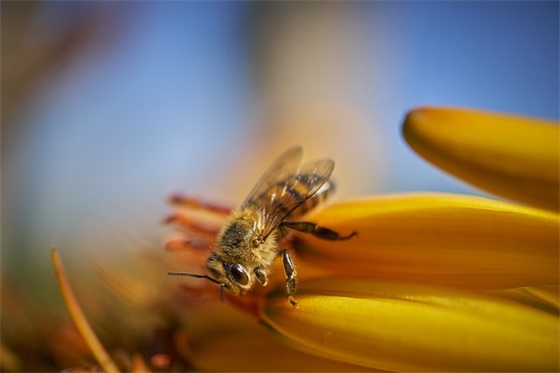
(194, 275)
(222, 286)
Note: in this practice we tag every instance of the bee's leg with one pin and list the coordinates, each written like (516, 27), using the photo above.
(316, 230)
(291, 280)
(261, 276)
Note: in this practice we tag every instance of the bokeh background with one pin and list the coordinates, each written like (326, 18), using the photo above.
(110, 107)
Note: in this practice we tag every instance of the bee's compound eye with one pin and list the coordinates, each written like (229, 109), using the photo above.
(239, 274)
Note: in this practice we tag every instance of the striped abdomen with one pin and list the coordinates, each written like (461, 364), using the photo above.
(282, 197)
(318, 198)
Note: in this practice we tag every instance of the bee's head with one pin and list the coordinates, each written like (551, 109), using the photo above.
(233, 277)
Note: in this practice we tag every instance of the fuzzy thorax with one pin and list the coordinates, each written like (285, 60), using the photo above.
(242, 252)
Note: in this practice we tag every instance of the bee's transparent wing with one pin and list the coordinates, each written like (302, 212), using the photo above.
(283, 168)
(282, 198)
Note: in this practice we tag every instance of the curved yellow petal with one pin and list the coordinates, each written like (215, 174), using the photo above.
(401, 326)
(223, 340)
(510, 156)
(448, 239)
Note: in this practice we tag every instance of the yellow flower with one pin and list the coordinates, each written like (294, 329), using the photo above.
(437, 282)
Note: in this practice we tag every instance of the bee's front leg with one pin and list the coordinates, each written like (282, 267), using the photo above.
(291, 280)
(261, 276)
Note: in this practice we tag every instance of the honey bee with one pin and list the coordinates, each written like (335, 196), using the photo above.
(248, 240)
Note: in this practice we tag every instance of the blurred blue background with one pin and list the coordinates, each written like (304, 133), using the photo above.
(109, 107)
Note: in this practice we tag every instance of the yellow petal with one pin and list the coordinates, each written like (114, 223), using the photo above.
(402, 326)
(510, 156)
(448, 239)
(228, 341)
